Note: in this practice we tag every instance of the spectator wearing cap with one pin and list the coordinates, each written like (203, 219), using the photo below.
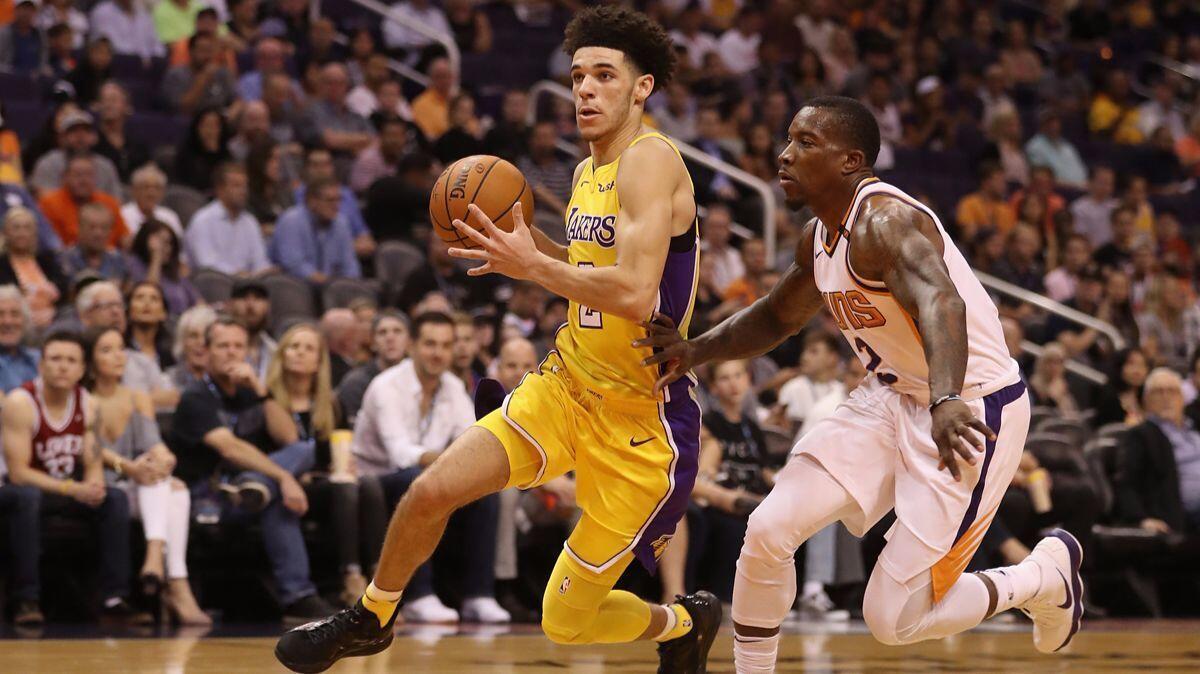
(330, 123)
(1092, 212)
(148, 187)
(224, 235)
(61, 206)
(18, 363)
(1049, 148)
(77, 135)
(93, 249)
(128, 26)
(319, 165)
(204, 81)
(124, 150)
(250, 304)
(12, 196)
(313, 241)
(1157, 481)
(175, 20)
(22, 45)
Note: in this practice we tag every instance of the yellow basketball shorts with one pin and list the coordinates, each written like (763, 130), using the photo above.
(635, 463)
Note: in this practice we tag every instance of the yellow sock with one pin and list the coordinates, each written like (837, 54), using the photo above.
(380, 602)
(683, 623)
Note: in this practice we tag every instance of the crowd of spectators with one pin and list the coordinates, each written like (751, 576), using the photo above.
(1058, 142)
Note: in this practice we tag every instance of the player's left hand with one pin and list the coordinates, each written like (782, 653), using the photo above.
(513, 254)
(953, 423)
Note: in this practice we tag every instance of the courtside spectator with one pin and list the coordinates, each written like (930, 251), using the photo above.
(18, 363)
(389, 346)
(191, 355)
(250, 304)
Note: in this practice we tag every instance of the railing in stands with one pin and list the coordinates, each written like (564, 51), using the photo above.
(547, 87)
(453, 55)
(1075, 316)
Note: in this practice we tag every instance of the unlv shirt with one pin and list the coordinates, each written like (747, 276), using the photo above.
(58, 443)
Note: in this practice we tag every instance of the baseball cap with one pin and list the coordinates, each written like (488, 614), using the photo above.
(73, 119)
(248, 286)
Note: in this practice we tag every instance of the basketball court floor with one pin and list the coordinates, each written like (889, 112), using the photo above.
(1112, 646)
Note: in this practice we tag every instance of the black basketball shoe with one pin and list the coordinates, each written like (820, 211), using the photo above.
(314, 647)
(689, 653)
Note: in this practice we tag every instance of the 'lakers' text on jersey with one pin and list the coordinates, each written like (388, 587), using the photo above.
(596, 347)
(883, 334)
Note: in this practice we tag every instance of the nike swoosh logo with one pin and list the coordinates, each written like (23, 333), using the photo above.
(1066, 603)
(638, 443)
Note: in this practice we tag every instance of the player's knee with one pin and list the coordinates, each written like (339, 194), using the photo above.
(431, 495)
(561, 623)
(765, 538)
(882, 621)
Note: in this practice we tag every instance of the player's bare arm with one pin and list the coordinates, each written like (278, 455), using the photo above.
(899, 245)
(650, 173)
(752, 331)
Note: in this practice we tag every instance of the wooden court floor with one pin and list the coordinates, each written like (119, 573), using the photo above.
(1103, 647)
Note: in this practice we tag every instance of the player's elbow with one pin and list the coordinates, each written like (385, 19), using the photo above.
(637, 303)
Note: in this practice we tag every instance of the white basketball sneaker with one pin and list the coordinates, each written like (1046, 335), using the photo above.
(428, 609)
(1057, 608)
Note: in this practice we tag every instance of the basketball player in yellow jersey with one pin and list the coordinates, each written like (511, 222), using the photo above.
(592, 407)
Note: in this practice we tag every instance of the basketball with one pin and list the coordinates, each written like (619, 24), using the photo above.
(491, 183)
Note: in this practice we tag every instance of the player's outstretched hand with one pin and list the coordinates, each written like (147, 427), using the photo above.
(510, 253)
(669, 347)
(956, 430)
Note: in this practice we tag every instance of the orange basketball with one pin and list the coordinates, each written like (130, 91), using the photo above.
(492, 184)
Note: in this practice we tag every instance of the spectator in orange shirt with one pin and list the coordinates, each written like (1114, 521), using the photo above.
(985, 208)
(431, 110)
(61, 206)
(752, 285)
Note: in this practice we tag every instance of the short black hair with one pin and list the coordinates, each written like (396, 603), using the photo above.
(69, 336)
(855, 122)
(430, 318)
(831, 341)
(643, 41)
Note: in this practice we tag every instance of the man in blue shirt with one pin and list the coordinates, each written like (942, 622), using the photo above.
(313, 240)
(318, 165)
(92, 250)
(22, 46)
(18, 364)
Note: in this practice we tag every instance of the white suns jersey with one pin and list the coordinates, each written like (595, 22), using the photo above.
(884, 335)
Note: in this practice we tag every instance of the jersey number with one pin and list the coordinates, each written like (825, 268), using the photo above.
(874, 361)
(589, 317)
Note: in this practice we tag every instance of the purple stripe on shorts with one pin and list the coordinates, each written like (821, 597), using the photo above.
(682, 417)
(993, 408)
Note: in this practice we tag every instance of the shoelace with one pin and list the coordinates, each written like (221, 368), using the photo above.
(339, 622)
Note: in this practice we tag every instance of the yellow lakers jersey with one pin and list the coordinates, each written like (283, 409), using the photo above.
(595, 347)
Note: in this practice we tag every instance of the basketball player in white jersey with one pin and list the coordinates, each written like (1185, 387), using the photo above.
(935, 431)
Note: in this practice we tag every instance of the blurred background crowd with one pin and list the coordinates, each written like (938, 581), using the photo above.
(214, 222)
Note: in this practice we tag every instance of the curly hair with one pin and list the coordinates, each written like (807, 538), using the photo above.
(643, 41)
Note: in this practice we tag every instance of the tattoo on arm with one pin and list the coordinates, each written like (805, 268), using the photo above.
(903, 247)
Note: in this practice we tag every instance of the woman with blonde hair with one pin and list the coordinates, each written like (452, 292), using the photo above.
(136, 459)
(301, 407)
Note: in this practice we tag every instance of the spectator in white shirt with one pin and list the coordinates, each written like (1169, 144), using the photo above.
(714, 244)
(1161, 110)
(363, 100)
(692, 38)
(409, 416)
(55, 12)
(128, 27)
(398, 36)
(738, 46)
(224, 235)
(887, 114)
(1060, 283)
(819, 367)
(148, 186)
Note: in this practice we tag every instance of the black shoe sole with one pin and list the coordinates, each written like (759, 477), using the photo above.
(706, 622)
(710, 634)
(309, 668)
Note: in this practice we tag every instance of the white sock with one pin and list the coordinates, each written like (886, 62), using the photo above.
(672, 620)
(1015, 584)
(755, 654)
(383, 595)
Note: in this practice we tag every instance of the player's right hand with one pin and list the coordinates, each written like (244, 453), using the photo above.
(669, 347)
